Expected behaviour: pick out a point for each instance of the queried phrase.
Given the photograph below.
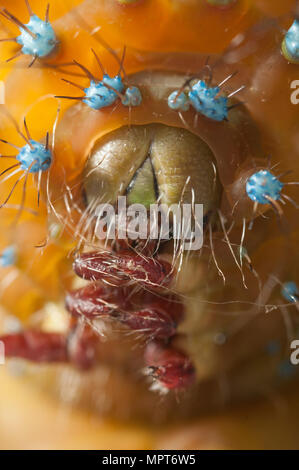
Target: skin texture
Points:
(266, 125)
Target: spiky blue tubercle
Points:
(35, 157)
(178, 102)
(290, 45)
(262, 185)
(115, 82)
(204, 99)
(8, 257)
(132, 97)
(98, 96)
(290, 291)
(44, 42)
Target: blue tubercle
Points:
(35, 157)
(115, 82)
(290, 291)
(204, 99)
(98, 95)
(132, 97)
(290, 45)
(178, 102)
(44, 42)
(263, 185)
(8, 257)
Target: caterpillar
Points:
(172, 102)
